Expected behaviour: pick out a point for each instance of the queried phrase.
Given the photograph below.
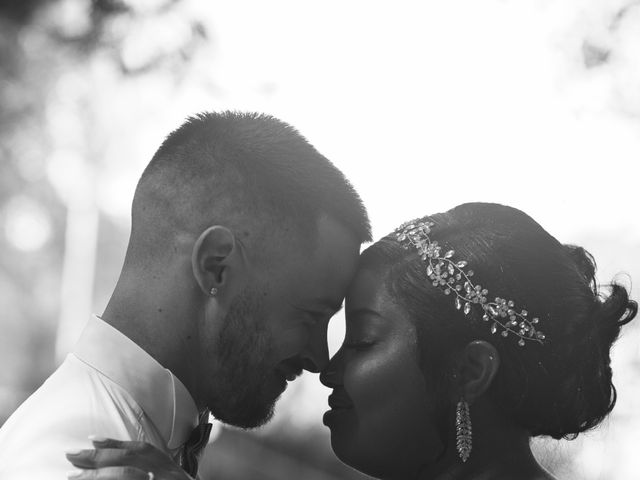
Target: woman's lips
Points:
(333, 417)
(339, 401)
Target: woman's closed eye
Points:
(358, 344)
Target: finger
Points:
(104, 442)
(112, 473)
(107, 457)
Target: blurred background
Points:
(423, 105)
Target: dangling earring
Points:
(463, 430)
(213, 291)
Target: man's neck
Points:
(151, 320)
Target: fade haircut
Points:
(250, 172)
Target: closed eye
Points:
(358, 345)
(315, 316)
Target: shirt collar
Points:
(160, 394)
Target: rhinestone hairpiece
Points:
(450, 276)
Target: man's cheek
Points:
(291, 342)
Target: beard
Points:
(241, 397)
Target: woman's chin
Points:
(345, 448)
(359, 462)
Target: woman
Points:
(468, 333)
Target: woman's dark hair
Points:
(560, 388)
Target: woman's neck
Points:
(500, 451)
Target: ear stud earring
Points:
(213, 291)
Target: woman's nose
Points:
(331, 375)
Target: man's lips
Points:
(288, 371)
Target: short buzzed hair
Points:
(248, 171)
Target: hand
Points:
(119, 460)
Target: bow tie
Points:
(193, 447)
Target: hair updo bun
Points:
(560, 388)
(586, 393)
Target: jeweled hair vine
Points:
(454, 278)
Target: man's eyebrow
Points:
(357, 312)
(326, 305)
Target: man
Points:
(243, 241)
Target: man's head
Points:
(251, 236)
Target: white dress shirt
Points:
(109, 387)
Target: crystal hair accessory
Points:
(451, 277)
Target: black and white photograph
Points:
(285, 240)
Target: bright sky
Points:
(428, 107)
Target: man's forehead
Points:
(319, 277)
(320, 284)
(334, 265)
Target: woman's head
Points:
(559, 387)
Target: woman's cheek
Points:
(371, 374)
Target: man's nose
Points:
(316, 356)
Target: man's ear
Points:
(217, 260)
(475, 369)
